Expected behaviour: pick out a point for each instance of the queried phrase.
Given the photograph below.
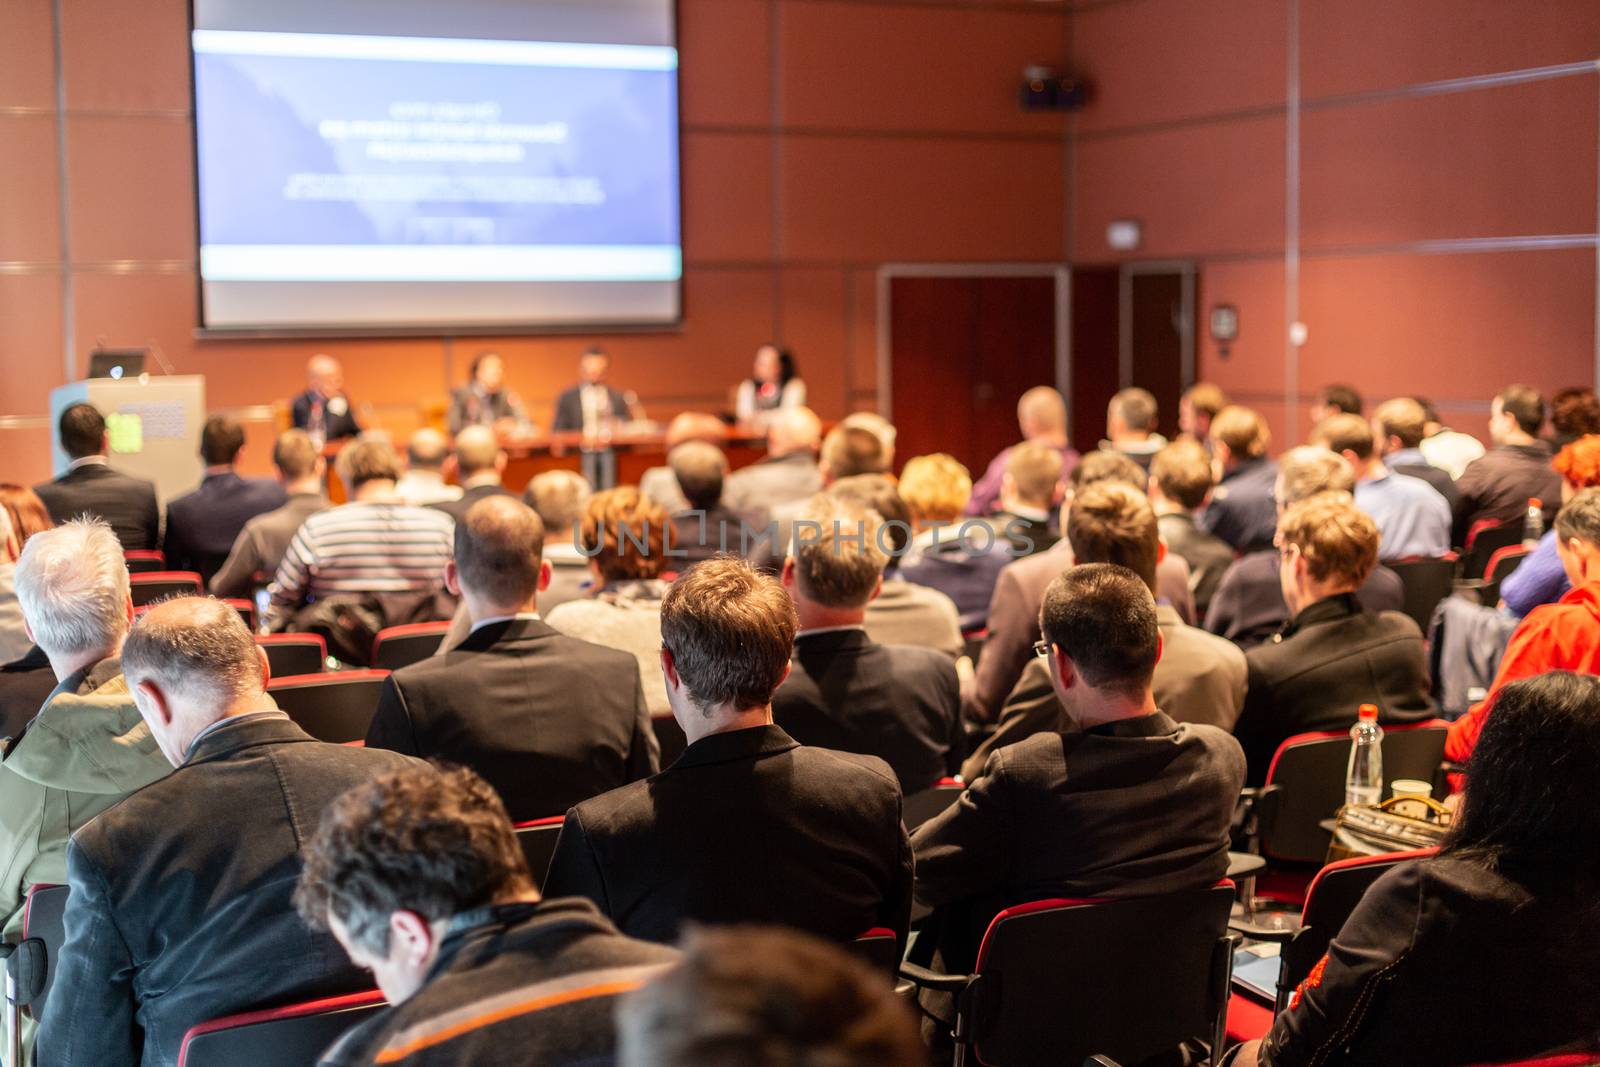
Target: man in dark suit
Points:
(91, 487)
(480, 463)
(591, 404)
(1127, 803)
(261, 545)
(180, 905)
(323, 410)
(1030, 489)
(485, 401)
(547, 719)
(1499, 484)
(788, 473)
(1180, 481)
(708, 527)
(1241, 509)
(1334, 656)
(845, 691)
(203, 525)
(747, 826)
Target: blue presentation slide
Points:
(335, 157)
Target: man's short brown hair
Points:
(1109, 522)
(1242, 430)
(1345, 433)
(1402, 418)
(851, 450)
(1183, 472)
(499, 543)
(879, 492)
(1035, 469)
(1337, 540)
(294, 455)
(1307, 470)
(625, 533)
(1104, 617)
(1525, 404)
(730, 630)
(221, 438)
(1206, 398)
(1136, 407)
(367, 459)
(1108, 466)
(839, 552)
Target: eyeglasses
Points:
(1041, 648)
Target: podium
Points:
(154, 424)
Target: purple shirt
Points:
(1539, 578)
(986, 490)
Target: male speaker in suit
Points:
(323, 410)
(91, 487)
(590, 404)
(845, 691)
(480, 463)
(202, 525)
(748, 826)
(180, 906)
(546, 719)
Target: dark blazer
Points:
(963, 570)
(1024, 537)
(1207, 555)
(1498, 484)
(127, 503)
(902, 704)
(1248, 606)
(261, 545)
(180, 904)
(24, 685)
(746, 827)
(771, 482)
(202, 525)
(470, 408)
(457, 509)
(546, 719)
(1242, 510)
(335, 427)
(1134, 807)
(699, 535)
(1332, 658)
(568, 416)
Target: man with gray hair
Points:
(180, 907)
(789, 470)
(1248, 606)
(845, 691)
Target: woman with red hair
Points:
(1540, 579)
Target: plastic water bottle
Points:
(1363, 779)
(1533, 525)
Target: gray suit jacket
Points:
(260, 546)
(772, 481)
(907, 614)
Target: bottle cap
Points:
(1368, 713)
(1535, 502)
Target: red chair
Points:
(1059, 981)
(330, 707)
(246, 609)
(1500, 567)
(918, 808)
(1484, 538)
(44, 916)
(294, 654)
(879, 949)
(145, 560)
(401, 646)
(148, 587)
(538, 840)
(290, 1036)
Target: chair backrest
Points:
(145, 560)
(44, 915)
(246, 609)
(401, 646)
(1484, 539)
(1058, 981)
(1423, 583)
(538, 840)
(294, 654)
(920, 807)
(290, 1036)
(330, 707)
(150, 586)
(879, 949)
(1309, 770)
(1500, 567)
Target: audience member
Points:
(560, 498)
(774, 384)
(658, 483)
(746, 996)
(92, 487)
(747, 825)
(1335, 400)
(903, 613)
(962, 561)
(1131, 425)
(375, 544)
(1198, 405)
(485, 401)
(846, 691)
(203, 525)
(707, 527)
(788, 472)
(1449, 450)
(479, 463)
(879, 427)
(15, 641)
(1248, 606)
(1128, 803)
(1180, 482)
(626, 539)
(85, 748)
(323, 411)
(423, 481)
(547, 719)
(1574, 413)
(1541, 578)
(180, 908)
(1564, 636)
(1241, 509)
(1030, 490)
(25, 676)
(1503, 917)
(1398, 427)
(591, 405)
(419, 877)
(26, 511)
(847, 452)
(1042, 417)
(262, 543)
(1334, 655)
(1413, 520)
(1517, 469)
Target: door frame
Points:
(1061, 272)
(1185, 268)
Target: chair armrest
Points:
(1262, 933)
(1100, 1061)
(930, 979)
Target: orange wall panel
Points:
(27, 75)
(724, 61)
(815, 328)
(1253, 367)
(30, 343)
(30, 207)
(727, 197)
(131, 181)
(125, 55)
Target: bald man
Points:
(423, 482)
(323, 410)
(479, 464)
(1042, 417)
(789, 471)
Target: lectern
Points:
(154, 423)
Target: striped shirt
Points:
(372, 547)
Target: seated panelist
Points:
(485, 400)
(324, 410)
